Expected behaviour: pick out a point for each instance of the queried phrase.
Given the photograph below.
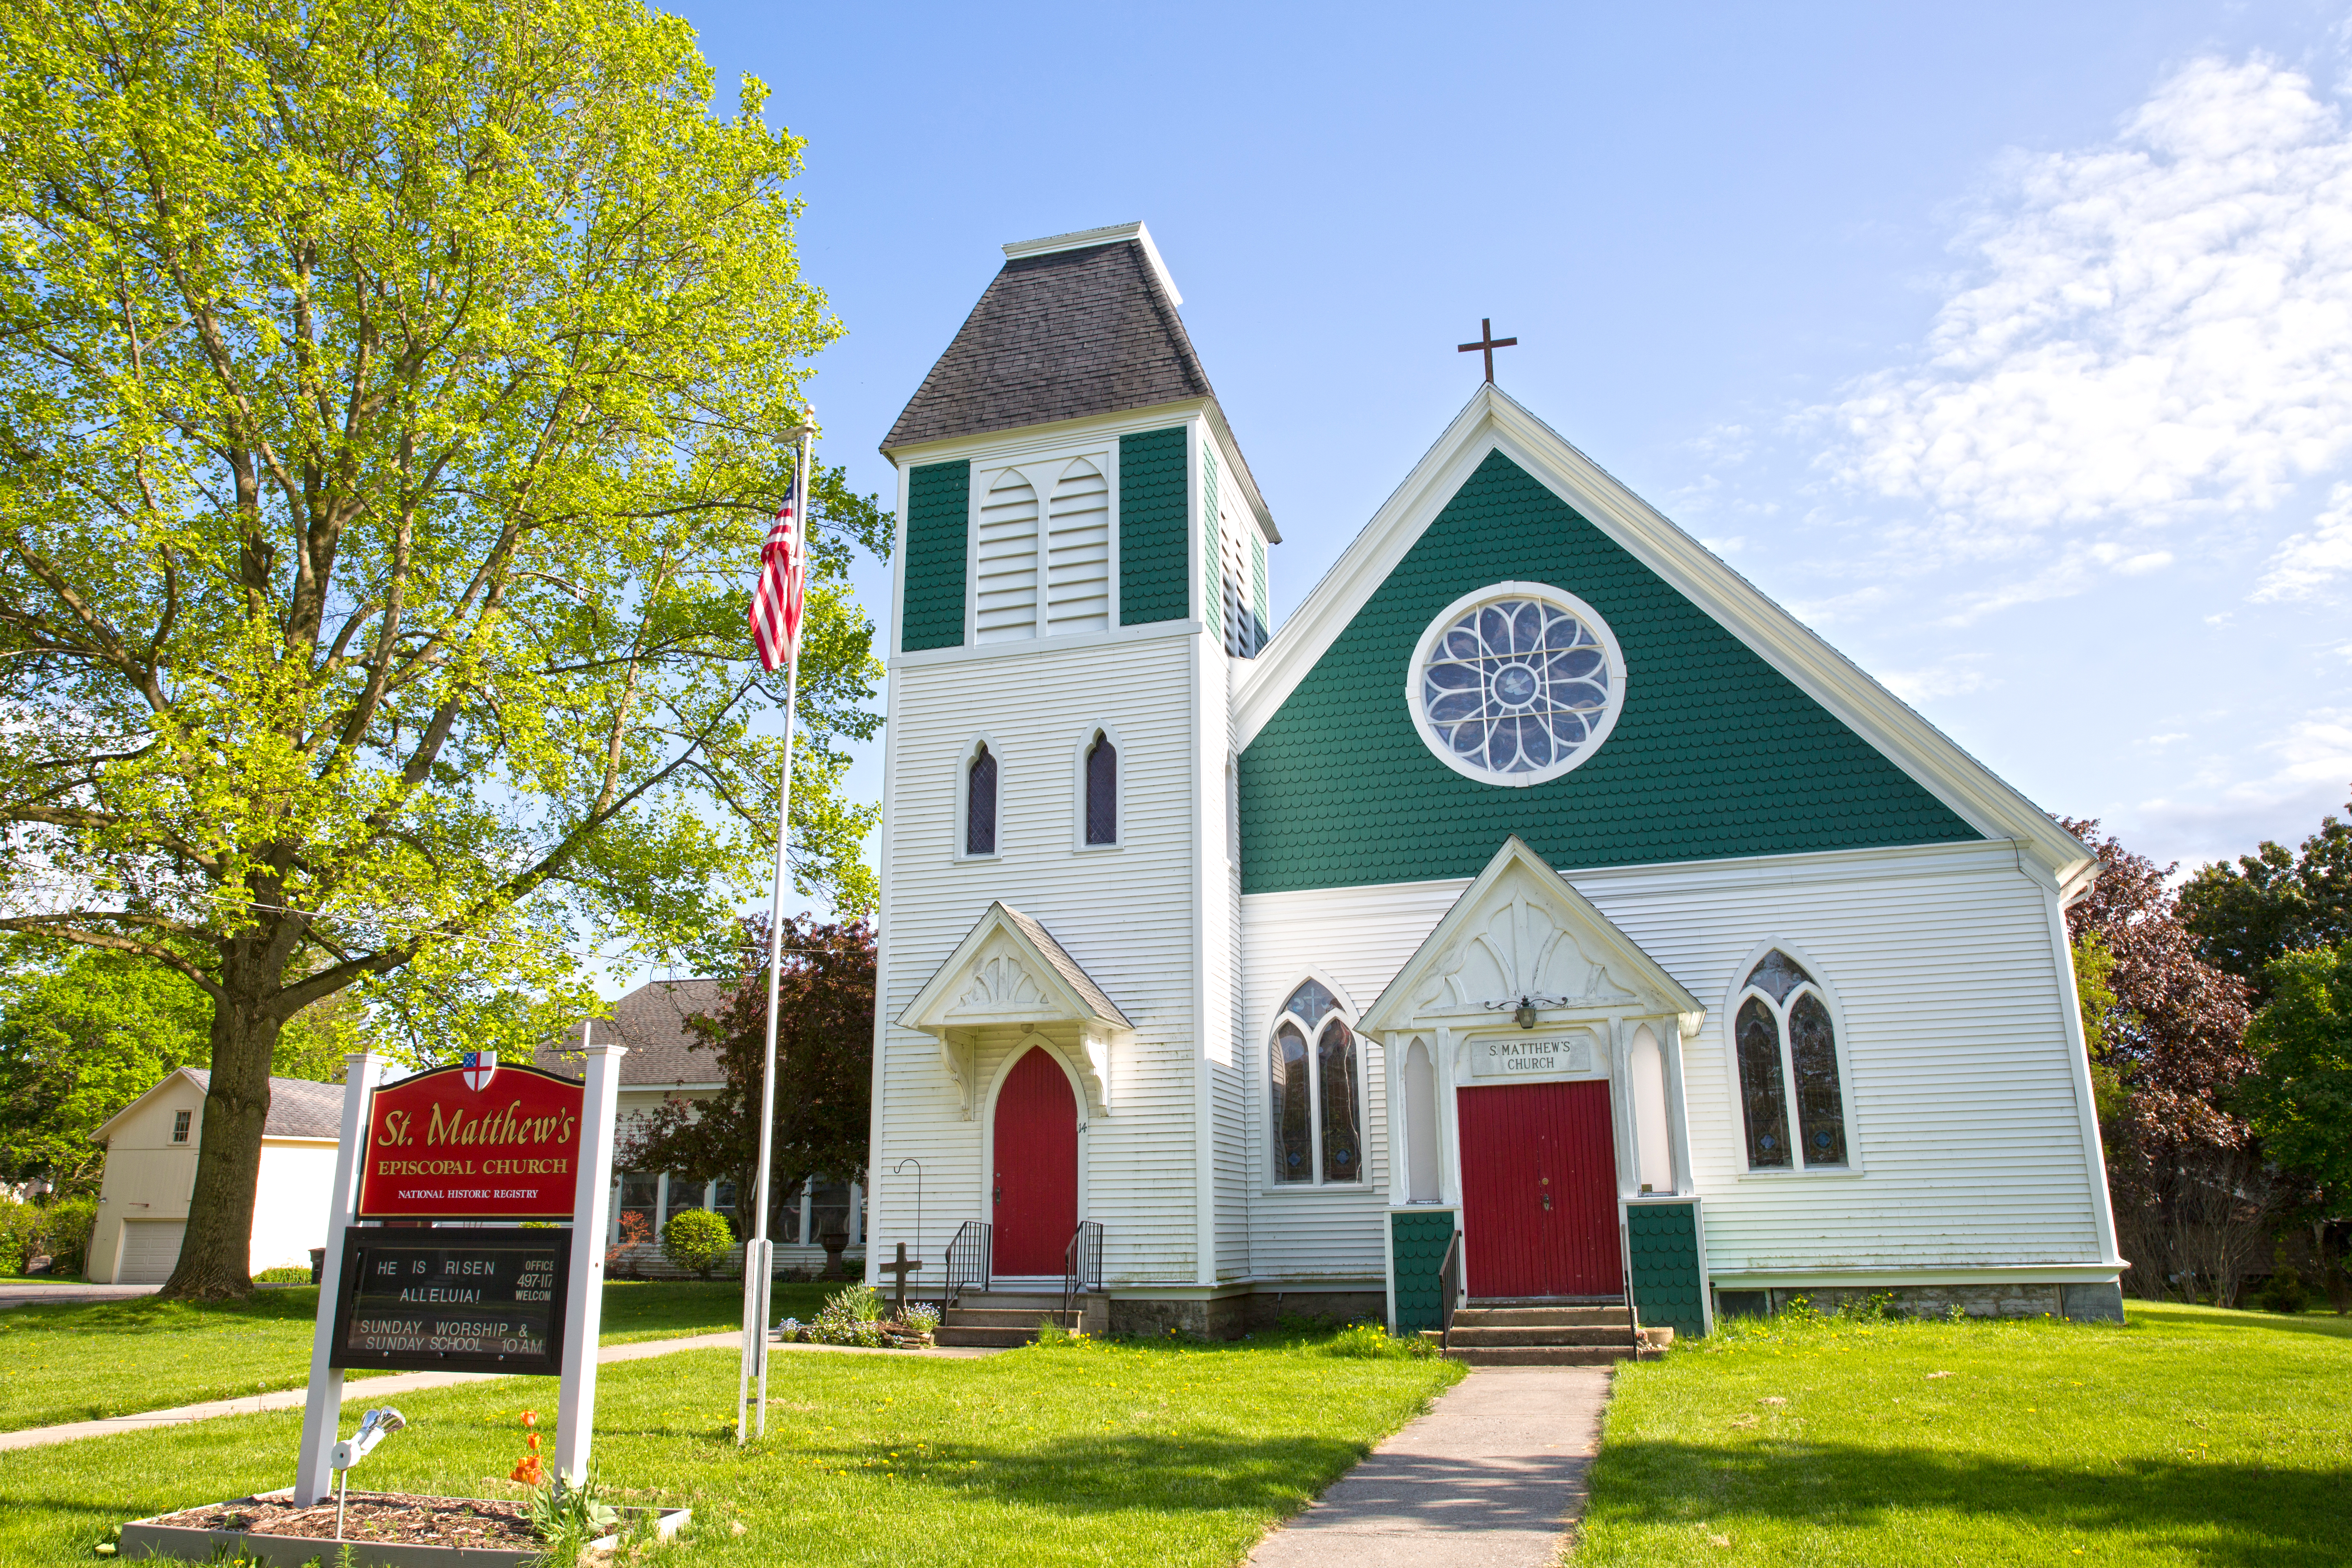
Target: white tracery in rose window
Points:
(1518, 687)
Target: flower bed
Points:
(384, 1530)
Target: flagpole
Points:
(758, 1253)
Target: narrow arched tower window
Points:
(1102, 791)
(980, 804)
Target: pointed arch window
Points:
(980, 802)
(1786, 1044)
(1317, 1073)
(1102, 790)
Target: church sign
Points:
(473, 1141)
(1524, 1057)
(480, 1300)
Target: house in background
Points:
(668, 1058)
(150, 1169)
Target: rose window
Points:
(1516, 687)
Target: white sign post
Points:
(322, 1412)
(575, 1418)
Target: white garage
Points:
(150, 1169)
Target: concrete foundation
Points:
(2101, 1301)
(1230, 1317)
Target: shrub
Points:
(20, 1228)
(66, 1225)
(836, 1327)
(697, 1239)
(856, 1302)
(922, 1318)
(286, 1274)
(2285, 1291)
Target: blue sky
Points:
(2009, 346)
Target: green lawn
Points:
(2190, 1435)
(1042, 1457)
(68, 1363)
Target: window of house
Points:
(1102, 790)
(828, 1211)
(1318, 1093)
(685, 1195)
(980, 802)
(1791, 1101)
(639, 1193)
(179, 1123)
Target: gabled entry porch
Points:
(1539, 1144)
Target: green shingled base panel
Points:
(1716, 753)
(1669, 1276)
(938, 506)
(1418, 1242)
(1154, 581)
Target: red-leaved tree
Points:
(2193, 1198)
(824, 1062)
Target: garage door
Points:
(150, 1247)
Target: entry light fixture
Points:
(1523, 1009)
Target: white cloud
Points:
(2221, 815)
(2309, 561)
(1951, 677)
(2158, 329)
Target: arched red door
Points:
(1034, 1194)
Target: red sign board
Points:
(473, 1142)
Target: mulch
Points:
(402, 1517)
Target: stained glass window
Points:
(1820, 1109)
(1319, 1128)
(1343, 1143)
(1763, 1096)
(980, 804)
(1518, 687)
(1294, 1107)
(1787, 1046)
(1102, 791)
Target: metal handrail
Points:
(1625, 1262)
(971, 1257)
(1449, 1286)
(1081, 1264)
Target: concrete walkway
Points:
(65, 1294)
(1489, 1478)
(373, 1390)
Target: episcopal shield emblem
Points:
(478, 1065)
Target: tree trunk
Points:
(215, 1257)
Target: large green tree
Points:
(392, 394)
(2273, 903)
(2299, 1097)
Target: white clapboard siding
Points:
(1126, 915)
(1004, 572)
(1078, 552)
(1960, 1077)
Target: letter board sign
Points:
(473, 1141)
(479, 1299)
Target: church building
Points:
(1539, 914)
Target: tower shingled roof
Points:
(1066, 335)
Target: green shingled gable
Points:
(938, 506)
(1154, 581)
(1716, 753)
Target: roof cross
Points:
(1488, 343)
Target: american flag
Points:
(776, 602)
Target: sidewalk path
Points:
(1489, 1479)
(372, 1389)
(69, 1295)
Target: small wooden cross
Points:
(902, 1267)
(1488, 343)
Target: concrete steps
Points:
(1548, 1334)
(999, 1319)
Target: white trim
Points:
(1078, 844)
(1558, 598)
(2070, 1006)
(1737, 993)
(1491, 421)
(104, 1131)
(961, 839)
(1087, 238)
(1013, 645)
(2020, 1273)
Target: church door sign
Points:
(1540, 1191)
(1033, 1199)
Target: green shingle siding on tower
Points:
(1669, 1283)
(1716, 753)
(1154, 581)
(938, 524)
(1212, 599)
(1417, 1243)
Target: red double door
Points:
(1033, 1196)
(1538, 1191)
